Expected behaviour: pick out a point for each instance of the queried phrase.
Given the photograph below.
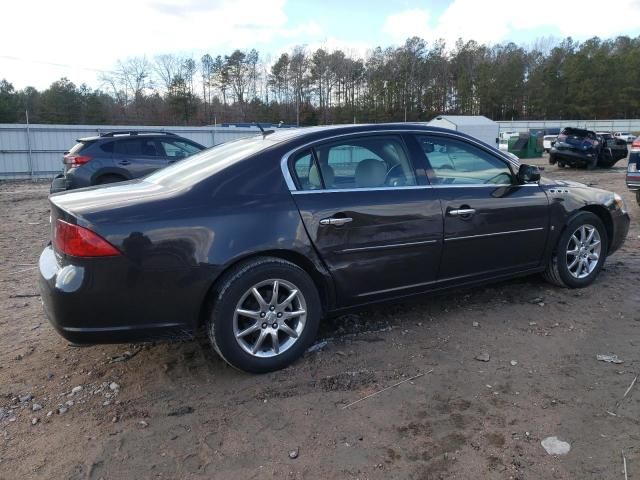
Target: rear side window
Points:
(365, 162)
(137, 147)
(306, 170)
(107, 147)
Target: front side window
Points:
(365, 162)
(459, 163)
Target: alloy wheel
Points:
(583, 251)
(269, 318)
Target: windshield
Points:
(208, 162)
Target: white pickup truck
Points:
(626, 136)
(548, 141)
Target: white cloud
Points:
(492, 21)
(409, 23)
(85, 36)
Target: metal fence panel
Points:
(35, 151)
(632, 125)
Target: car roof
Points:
(289, 134)
(127, 135)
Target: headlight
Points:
(619, 202)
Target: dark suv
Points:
(117, 156)
(580, 147)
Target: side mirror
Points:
(528, 174)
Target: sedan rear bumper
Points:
(83, 306)
(570, 156)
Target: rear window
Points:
(578, 133)
(208, 162)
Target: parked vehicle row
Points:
(633, 169)
(578, 147)
(258, 239)
(118, 156)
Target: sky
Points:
(43, 40)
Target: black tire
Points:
(638, 197)
(606, 163)
(557, 271)
(109, 178)
(233, 287)
(552, 159)
(560, 164)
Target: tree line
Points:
(594, 79)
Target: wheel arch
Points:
(603, 214)
(110, 171)
(318, 275)
(600, 211)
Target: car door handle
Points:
(124, 162)
(337, 221)
(461, 212)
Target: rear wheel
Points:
(265, 315)
(638, 197)
(606, 163)
(105, 179)
(580, 253)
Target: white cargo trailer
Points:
(477, 126)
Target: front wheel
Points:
(265, 315)
(580, 252)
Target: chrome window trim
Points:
(284, 161)
(387, 246)
(371, 189)
(494, 234)
(410, 187)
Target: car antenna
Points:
(264, 132)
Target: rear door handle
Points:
(461, 212)
(337, 221)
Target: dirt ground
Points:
(176, 411)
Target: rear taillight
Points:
(78, 241)
(635, 146)
(75, 160)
